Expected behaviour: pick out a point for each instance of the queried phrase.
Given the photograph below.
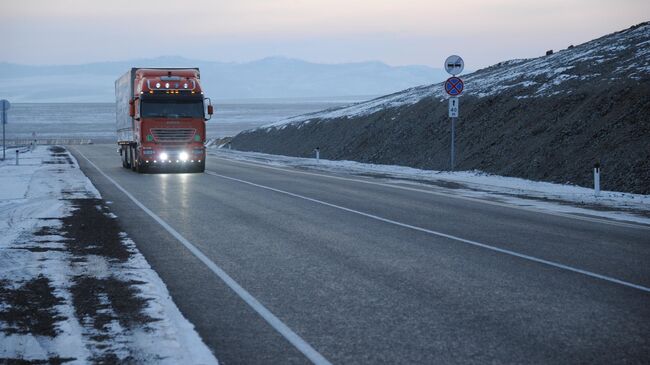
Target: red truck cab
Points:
(161, 115)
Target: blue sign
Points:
(454, 86)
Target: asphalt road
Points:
(320, 268)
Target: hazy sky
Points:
(396, 32)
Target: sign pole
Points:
(454, 86)
(453, 141)
(4, 121)
(5, 106)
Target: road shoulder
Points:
(73, 285)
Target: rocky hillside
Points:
(549, 118)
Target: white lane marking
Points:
(440, 234)
(258, 307)
(528, 209)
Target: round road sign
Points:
(4, 104)
(454, 65)
(454, 86)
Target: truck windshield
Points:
(172, 108)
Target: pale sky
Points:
(329, 31)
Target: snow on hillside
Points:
(621, 55)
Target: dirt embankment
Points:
(553, 138)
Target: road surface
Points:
(283, 266)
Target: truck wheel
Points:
(141, 167)
(200, 167)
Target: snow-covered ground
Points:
(527, 194)
(64, 300)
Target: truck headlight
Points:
(164, 156)
(183, 156)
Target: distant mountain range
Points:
(273, 77)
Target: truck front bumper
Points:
(172, 156)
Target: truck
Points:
(160, 119)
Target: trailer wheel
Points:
(127, 157)
(132, 157)
(124, 157)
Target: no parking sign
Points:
(454, 86)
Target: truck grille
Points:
(173, 134)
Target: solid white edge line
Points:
(444, 235)
(558, 214)
(300, 344)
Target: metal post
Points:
(597, 179)
(453, 137)
(17, 152)
(4, 142)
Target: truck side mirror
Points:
(132, 107)
(210, 108)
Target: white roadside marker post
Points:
(597, 179)
(17, 152)
(317, 150)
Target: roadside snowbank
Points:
(62, 298)
(559, 198)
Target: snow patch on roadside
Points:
(36, 197)
(560, 198)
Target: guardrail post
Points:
(597, 179)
